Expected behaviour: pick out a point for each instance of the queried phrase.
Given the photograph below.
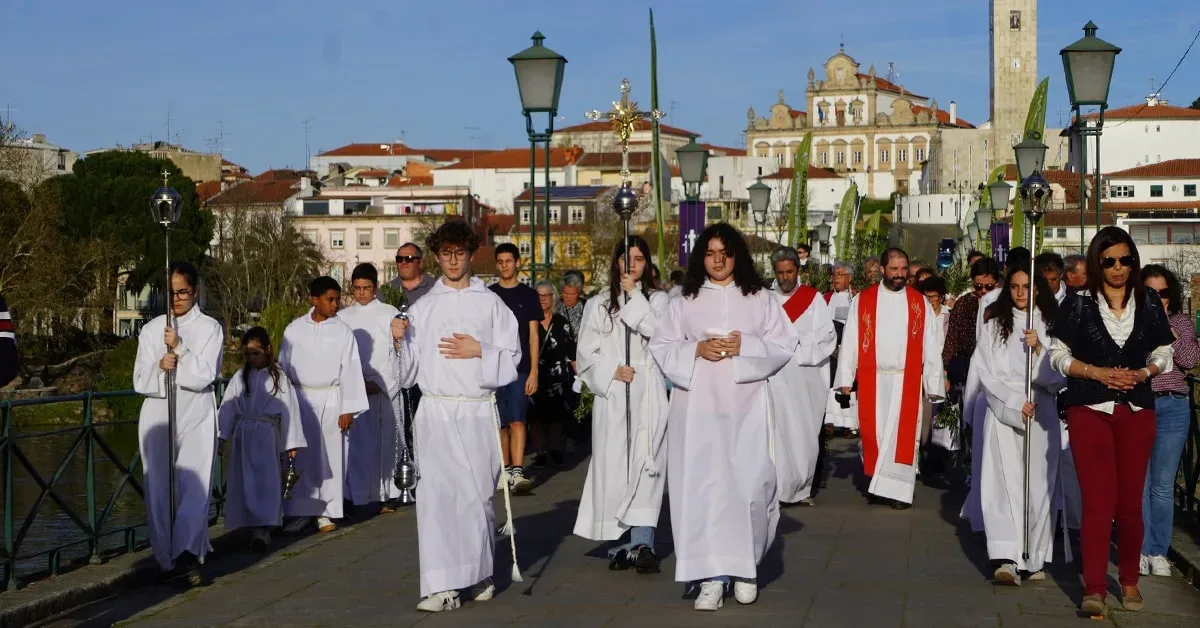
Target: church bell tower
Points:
(1014, 73)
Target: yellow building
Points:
(578, 223)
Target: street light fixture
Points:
(165, 206)
(973, 231)
(999, 192)
(760, 197)
(693, 162)
(539, 73)
(983, 217)
(1031, 157)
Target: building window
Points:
(1062, 233)
(1048, 232)
(1121, 191)
(883, 156)
(391, 238)
(523, 246)
(575, 215)
(920, 154)
(310, 235)
(525, 215)
(555, 214)
(1189, 189)
(779, 159)
(1156, 191)
(572, 248)
(841, 157)
(337, 239)
(901, 155)
(824, 159)
(856, 157)
(364, 238)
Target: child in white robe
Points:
(259, 413)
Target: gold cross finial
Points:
(625, 117)
(165, 175)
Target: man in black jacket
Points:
(8, 346)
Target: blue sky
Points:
(94, 74)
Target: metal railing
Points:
(93, 519)
(1187, 480)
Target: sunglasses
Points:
(1125, 260)
(986, 287)
(1165, 293)
(407, 259)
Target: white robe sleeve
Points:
(848, 356)
(933, 373)
(408, 355)
(765, 351)
(148, 379)
(675, 355)
(502, 355)
(643, 315)
(818, 338)
(597, 367)
(291, 433)
(231, 406)
(351, 385)
(1003, 400)
(200, 363)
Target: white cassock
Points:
(721, 480)
(939, 436)
(455, 429)
(835, 414)
(374, 450)
(322, 361)
(618, 493)
(798, 392)
(1001, 366)
(201, 342)
(258, 426)
(890, 477)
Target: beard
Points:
(788, 286)
(895, 284)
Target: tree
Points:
(1195, 104)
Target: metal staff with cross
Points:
(625, 117)
(165, 206)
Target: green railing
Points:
(92, 520)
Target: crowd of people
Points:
(720, 389)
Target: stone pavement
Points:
(841, 563)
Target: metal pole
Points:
(1029, 309)
(171, 418)
(547, 172)
(628, 362)
(1082, 179)
(1099, 131)
(532, 202)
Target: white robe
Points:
(891, 479)
(259, 427)
(835, 414)
(721, 480)
(1001, 366)
(322, 361)
(798, 393)
(200, 347)
(374, 448)
(615, 496)
(455, 430)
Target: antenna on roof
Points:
(893, 75)
(307, 122)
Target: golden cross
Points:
(624, 117)
(165, 175)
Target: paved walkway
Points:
(841, 563)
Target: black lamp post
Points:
(165, 207)
(693, 162)
(760, 200)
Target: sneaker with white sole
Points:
(711, 597)
(1007, 574)
(745, 591)
(325, 525)
(1144, 565)
(519, 484)
(504, 479)
(1037, 576)
(1159, 566)
(438, 602)
(482, 591)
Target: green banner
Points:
(845, 222)
(656, 163)
(798, 204)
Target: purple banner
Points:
(1000, 242)
(691, 223)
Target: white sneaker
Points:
(1159, 566)
(325, 525)
(1007, 574)
(438, 602)
(482, 591)
(1037, 576)
(745, 591)
(520, 484)
(1144, 565)
(711, 597)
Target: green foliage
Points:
(798, 204)
(277, 316)
(957, 278)
(584, 410)
(877, 205)
(393, 296)
(116, 373)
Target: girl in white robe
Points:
(624, 487)
(1000, 360)
(259, 413)
(719, 343)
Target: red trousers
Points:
(1111, 454)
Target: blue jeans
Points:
(1173, 417)
(638, 535)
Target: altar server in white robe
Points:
(320, 356)
(461, 343)
(261, 417)
(196, 343)
(374, 445)
(799, 389)
(840, 294)
(719, 343)
(623, 492)
(1009, 419)
(892, 351)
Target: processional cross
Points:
(625, 117)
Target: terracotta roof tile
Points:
(510, 158)
(887, 86)
(943, 117)
(1147, 112)
(284, 175)
(1164, 169)
(257, 192)
(399, 181)
(207, 189)
(813, 173)
(728, 152)
(381, 150)
(372, 172)
(601, 125)
(612, 161)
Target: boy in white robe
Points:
(320, 356)
(460, 344)
(798, 390)
(196, 343)
(259, 413)
(375, 443)
(719, 343)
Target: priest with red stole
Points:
(890, 348)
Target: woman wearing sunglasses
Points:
(1109, 340)
(1172, 415)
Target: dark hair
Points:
(933, 284)
(260, 335)
(1002, 308)
(187, 270)
(745, 275)
(510, 248)
(676, 276)
(365, 270)
(614, 273)
(1071, 261)
(1107, 238)
(323, 284)
(1174, 289)
(974, 253)
(412, 244)
(891, 252)
(804, 247)
(453, 232)
(1049, 261)
(985, 266)
(1015, 255)
(924, 270)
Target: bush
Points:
(116, 373)
(276, 317)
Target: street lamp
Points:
(1031, 157)
(165, 207)
(760, 199)
(973, 232)
(999, 191)
(539, 73)
(1088, 66)
(823, 230)
(693, 162)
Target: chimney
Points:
(39, 138)
(953, 112)
(305, 184)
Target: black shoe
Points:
(539, 461)
(620, 561)
(556, 458)
(876, 500)
(899, 505)
(646, 561)
(188, 572)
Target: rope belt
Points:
(319, 388)
(271, 419)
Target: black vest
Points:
(1081, 328)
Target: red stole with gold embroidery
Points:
(910, 387)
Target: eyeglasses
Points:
(407, 259)
(182, 294)
(1165, 293)
(1126, 261)
(455, 253)
(985, 287)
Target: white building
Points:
(1140, 135)
(1159, 206)
(29, 161)
(496, 177)
(393, 157)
